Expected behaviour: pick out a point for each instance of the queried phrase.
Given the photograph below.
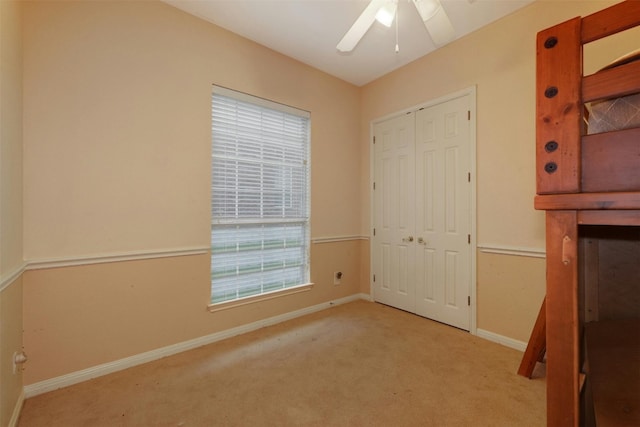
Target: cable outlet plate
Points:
(337, 277)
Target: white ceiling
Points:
(309, 30)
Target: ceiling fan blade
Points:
(436, 21)
(440, 28)
(361, 26)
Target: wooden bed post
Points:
(563, 369)
(558, 108)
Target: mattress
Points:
(618, 113)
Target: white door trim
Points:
(471, 92)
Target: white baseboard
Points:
(138, 359)
(366, 297)
(13, 422)
(501, 339)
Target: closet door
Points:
(393, 244)
(443, 212)
(421, 248)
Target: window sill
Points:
(221, 306)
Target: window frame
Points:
(304, 221)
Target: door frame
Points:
(471, 92)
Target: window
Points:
(259, 196)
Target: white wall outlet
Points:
(337, 276)
(19, 359)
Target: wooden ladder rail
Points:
(537, 346)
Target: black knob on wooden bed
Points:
(551, 42)
(551, 92)
(551, 146)
(550, 167)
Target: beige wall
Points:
(10, 206)
(500, 61)
(117, 158)
(510, 292)
(117, 98)
(10, 138)
(83, 316)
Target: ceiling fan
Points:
(433, 15)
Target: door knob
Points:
(408, 239)
(422, 241)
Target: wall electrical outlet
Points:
(19, 359)
(337, 276)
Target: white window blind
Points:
(260, 196)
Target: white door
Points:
(421, 251)
(394, 244)
(443, 212)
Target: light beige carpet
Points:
(359, 364)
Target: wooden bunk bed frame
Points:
(582, 180)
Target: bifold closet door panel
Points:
(394, 204)
(443, 212)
